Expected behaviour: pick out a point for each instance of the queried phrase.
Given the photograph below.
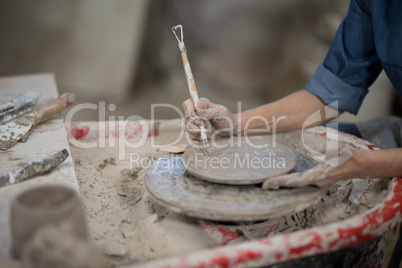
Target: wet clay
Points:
(240, 160)
(129, 226)
(170, 185)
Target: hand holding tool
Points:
(191, 84)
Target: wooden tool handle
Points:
(53, 107)
(190, 81)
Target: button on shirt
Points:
(368, 40)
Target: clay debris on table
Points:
(122, 219)
(130, 227)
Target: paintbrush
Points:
(191, 85)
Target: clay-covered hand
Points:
(338, 160)
(218, 120)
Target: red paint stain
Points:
(271, 227)
(371, 147)
(248, 255)
(79, 132)
(224, 235)
(242, 257)
(316, 240)
(221, 261)
(153, 133)
(227, 235)
(323, 134)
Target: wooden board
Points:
(170, 185)
(46, 139)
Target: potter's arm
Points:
(382, 163)
(354, 164)
(286, 114)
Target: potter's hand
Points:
(339, 159)
(219, 121)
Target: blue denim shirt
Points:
(368, 40)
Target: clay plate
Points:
(240, 160)
(170, 185)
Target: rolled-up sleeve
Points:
(351, 64)
(334, 91)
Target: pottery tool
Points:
(20, 128)
(17, 106)
(34, 169)
(191, 84)
(178, 149)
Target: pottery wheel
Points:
(170, 185)
(240, 160)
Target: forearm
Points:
(372, 164)
(286, 114)
(383, 163)
(360, 164)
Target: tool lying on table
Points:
(191, 85)
(20, 128)
(34, 169)
(18, 106)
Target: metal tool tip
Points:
(205, 147)
(174, 29)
